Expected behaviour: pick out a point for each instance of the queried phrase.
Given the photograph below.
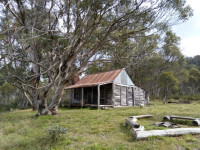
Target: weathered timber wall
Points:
(139, 96)
(123, 96)
(128, 96)
(117, 95)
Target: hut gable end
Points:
(124, 79)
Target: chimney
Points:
(75, 79)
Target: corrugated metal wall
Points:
(124, 79)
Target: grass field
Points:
(93, 129)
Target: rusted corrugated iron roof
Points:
(96, 79)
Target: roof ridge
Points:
(104, 72)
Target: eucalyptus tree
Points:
(54, 40)
(194, 80)
(167, 82)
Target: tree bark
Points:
(42, 105)
(57, 96)
(147, 97)
(35, 105)
(164, 100)
(35, 70)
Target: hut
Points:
(112, 88)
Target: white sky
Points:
(190, 31)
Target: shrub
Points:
(56, 132)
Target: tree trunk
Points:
(165, 96)
(57, 96)
(164, 99)
(35, 104)
(42, 107)
(35, 70)
(147, 97)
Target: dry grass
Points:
(93, 129)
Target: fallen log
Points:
(141, 116)
(195, 121)
(139, 135)
(132, 123)
(135, 126)
(178, 117)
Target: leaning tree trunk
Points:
(57, 96)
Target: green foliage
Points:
(193, 97)
(7, 94)
(193, 62)
(168, 82)
(56, 132)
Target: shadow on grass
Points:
(78, 108)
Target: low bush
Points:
(56, 132)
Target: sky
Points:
(189, 31)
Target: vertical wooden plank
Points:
(127, 96)
(120, 96)
(133, 96)
(82, 97)
(123, 96)
(113, 94)
(92, 97)
(98, 98)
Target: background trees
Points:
(44, 43)
(168, 82)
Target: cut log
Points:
(141, 116)
(196, 122)
(132, 123)
(166, 118)
(178, 117)
(139, 135)
(141, 128)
